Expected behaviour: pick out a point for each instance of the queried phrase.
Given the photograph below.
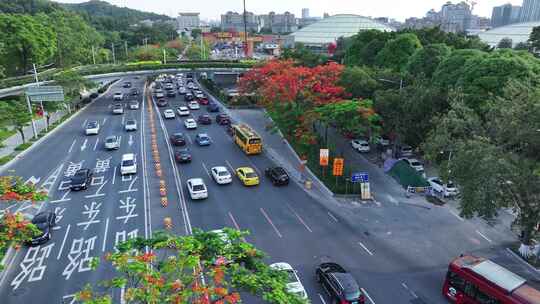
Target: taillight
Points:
(344, 302)
(362, 299)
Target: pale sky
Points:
(212, 9)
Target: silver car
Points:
(112, 142)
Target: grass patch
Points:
(23, 146)
(5, 159)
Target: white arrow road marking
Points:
(104, 121)
(95, 145)
(72, 144)
(130, 141)
(83, 147)
(33, 180)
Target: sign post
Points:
(41, 94)
(337, 168)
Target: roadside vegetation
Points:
(471, 110)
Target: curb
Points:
(6, 262)
(531, 267)
(39, 141)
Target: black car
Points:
(277, 175)
(134, 92)
(127, 84)
(182, 156)
(44, 221)
(204, 119)
(223, 119)
(189, 97)
(178, 139)
(171, 93)
(340, 285)
(162, 103)
(81, 179)
(212, 107)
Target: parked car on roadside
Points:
(447, 190)
(414, 163)
(360, 145)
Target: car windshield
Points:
(199, 187)
(110, 140)
(223, 173)
(352, 295)
(203, 138)
(130, 122)
(251, 175)
(416, 163)
(92, 124)
(40, 218)
(128, 162)
(291, 276)
(450, 185)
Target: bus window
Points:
(456, 281)
(255, 141)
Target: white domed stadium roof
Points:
(329, 29)
(518, 32)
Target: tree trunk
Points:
(48, 118)
(21, 131)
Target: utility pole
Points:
(245, 29)
(113, 56)
(125, 48)
(93, 55)
(164, 57)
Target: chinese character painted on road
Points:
(72, 168)
(79, 256)
(91, 212)
(32, 265)
(129, 207)
(130, 188)
(123, 236)
(59, 216)
(97, 181)
(64, 185)
(102, 165)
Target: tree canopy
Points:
(396, 52)
(425, 61)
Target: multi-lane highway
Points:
(398, 253)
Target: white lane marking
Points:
(105, 235)
(114, 175)
(483, 236)
(84, 123)
(299, 218)
(119, 140)
(83, 147)
(122, 295)
(146, 187)
(456, 215)
(206, 170)
(230, 166)
(409, 290)
(365, 248)
(392, 199)
(72, 144)
(130, 141)
(63, 242)
(332, 217)
(234, 221)
(367, 295)
(322, 299)
(95, 145)
(104, 121)
(189, 139)
(123, 119)
(33, 180)
(270, 221)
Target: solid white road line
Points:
(234, 221)
(146, 186)
(95, 145)
(83, 147)
(104, 121)
(105, 235)
(409, 290)
(72, 144)
(114, 175)
(456, 215)
(365, 248)
(189, 139)
(299, 218)
(63, 242)
(123, 119)
(367, 295)
(322, 299)
(206, 170)
(332, 217)
(483, 236)
(270, 221)
(84, 123)
(231, 167)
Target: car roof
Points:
(111, 137)
(196, 181)
(190, 119)
(246, 169)
(82, 170)
(346, 281)
(41, 217)
(220, 168)
(183, 108)
(202, 135)
(128, 156)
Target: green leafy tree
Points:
(73, 84)
(505, 43)
(364, 47)
(14, 113)
(396, 52)
(172, 271)
(195, 33)
(425, 61)
(355, 117)
(303, 56)
(495, 160)
(434, 35)
(534, 38)
(149, 53)
(30, 7)
(358, 82)
(522, 46)
(450, 70)
(27, 39)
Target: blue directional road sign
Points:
(362, 177)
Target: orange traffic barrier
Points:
(167, 222)
(158, 166)
(164, 202)
(159, 173)
(156, 160)
(162, 192)
(161, 183)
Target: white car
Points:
(112, 143)
(221, 175)
(383, 141)
(92, 128)
(360, 145)
(183, 111)
(190, 123)
(414, 163)
(193, 105)
(294, 285)
(160, 95)
(131, 125)
(169, 114)
(182, 90)
(197, 189)
(134, 105)
(128, 164)
(446, 190)
(118, 96)
(118, 109)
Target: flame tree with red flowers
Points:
(202, 268)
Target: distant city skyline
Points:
(212, 10)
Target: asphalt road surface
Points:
(397, 252)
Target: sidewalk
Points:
(15, 140)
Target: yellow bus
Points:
(247, 139)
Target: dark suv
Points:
(81, 179)
(340, 285)
(277, 175)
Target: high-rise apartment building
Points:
(305, 13)
(233, 21)
(505, 14)
(456, 18)
(278, 23)
(188, 21)
(530, 11)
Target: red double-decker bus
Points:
(474, 280)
